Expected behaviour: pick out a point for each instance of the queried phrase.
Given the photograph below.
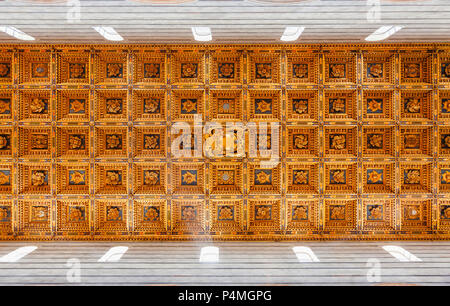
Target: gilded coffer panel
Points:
(225, 142)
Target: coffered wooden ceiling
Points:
(232, 21)
(88, 142)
